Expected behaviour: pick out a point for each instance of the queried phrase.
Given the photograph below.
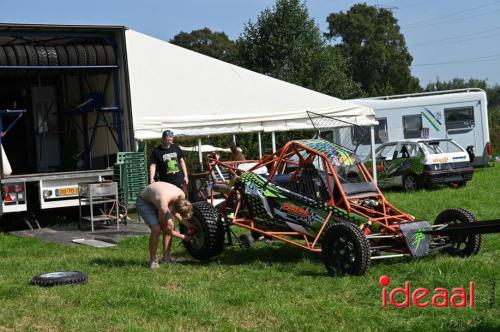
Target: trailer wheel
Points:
(59, 278)
(208, 241)
(345, 250)
(410, 182)
(462, 245)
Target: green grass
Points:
(268, 287)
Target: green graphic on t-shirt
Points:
(172, 166)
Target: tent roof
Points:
(196, 95)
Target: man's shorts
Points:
(148, 212)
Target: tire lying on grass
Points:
(208, 241)
(59, 278)
(462, 245)
(345, 250)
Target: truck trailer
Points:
(65, 111)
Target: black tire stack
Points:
(68, 55)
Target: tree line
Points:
(362, 54)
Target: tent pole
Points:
(372, 145)
(260, 145)
(273, 137)
(200, 155)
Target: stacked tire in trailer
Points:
(67, 55)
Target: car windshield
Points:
(437, 147)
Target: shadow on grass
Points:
(117, 262)
(273, 254)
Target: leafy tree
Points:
(214, 44)
(456, 83)
(376, 50)
(285, 43)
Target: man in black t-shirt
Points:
(168, 160)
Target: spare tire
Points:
(3, 57)
(72, 55)
(11, 55)
(91, 55)
(32, 56)
(208, 241)
(22, 58)
(62, 56)
(52, 55)
(82, 55)
(41, 52)
(110, 55)
(59, 278)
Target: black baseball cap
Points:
(167, 133)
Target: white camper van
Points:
(461, 115)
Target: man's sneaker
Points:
(168, 260)
(154, 265)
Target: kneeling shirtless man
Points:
(158, 204)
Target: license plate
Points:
(67, 192)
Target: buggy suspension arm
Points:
(478, 227)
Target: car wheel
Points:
(410, 183)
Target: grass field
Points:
(268, 287)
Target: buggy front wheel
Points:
(208, 241)
(345, 250)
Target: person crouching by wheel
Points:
(158, 204)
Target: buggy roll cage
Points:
(341, 200)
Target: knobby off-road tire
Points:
(209, 239)
(41, 52)
(345, 250)
(52, 55)
(463, 245)
(59, 278)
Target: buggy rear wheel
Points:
(345, 250)
(461, 245)
(208, 241)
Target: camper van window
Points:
(412, 126)
(462, 117)
(363, 137)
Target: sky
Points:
(447, 38)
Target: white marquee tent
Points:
(192, 94)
